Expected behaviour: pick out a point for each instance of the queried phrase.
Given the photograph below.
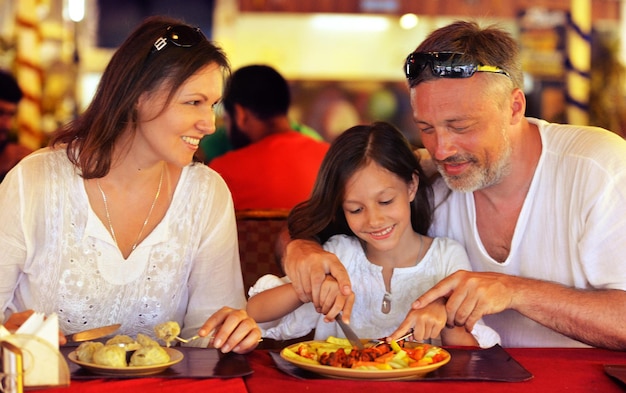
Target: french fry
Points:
(292, 355)
(397, 358)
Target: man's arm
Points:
(595, 317)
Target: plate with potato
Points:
(123, 355)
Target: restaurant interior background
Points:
(342, 58)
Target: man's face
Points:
(465, 130)
(8, 110)
(237, 137)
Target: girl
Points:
(371, 207)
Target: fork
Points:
(379, 342)
(186, 340)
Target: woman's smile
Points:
(191, 141)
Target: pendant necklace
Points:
(106, 210)
(385, 307)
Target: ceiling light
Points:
(350, 22)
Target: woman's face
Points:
(377, 206)
(172, 134)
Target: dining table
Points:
(542, 370)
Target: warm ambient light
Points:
(76, 10)
(350, 22)
(408, 21)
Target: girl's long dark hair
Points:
(322, 216)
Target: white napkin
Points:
(41, 358)
(4, 331)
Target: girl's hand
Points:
(233, 330)
(332, 301)
(426, 322)
(307, 264)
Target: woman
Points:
(114, 223)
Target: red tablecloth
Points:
(554, 370)
(153, 385)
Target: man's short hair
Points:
(259, 88)
(9, 89)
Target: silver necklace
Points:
(106, 210)
(385, 307)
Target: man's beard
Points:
(238, 138)
(477, 176)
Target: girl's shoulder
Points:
(346, 248)
(448, 252)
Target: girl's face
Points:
(173, 133)
(377, 206)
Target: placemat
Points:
(617, 372)
(197, 363)
(492, 364)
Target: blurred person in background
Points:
(218, 143)
(272, 166)
(11, 152)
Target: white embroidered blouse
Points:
(57, 256)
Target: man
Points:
(273, 166)
(11, 152)
(539, 207)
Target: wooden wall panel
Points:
(601, 9)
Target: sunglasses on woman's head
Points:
(180, 35)
(445, 65)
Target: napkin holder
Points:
(33, 359)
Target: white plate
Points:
(351, 373)
(175, 357)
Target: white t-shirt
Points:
(57, 256)
(570, 230)
(444, 257)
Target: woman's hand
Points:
(233, 330)
(17, 319)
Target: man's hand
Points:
(470, 296)
(307, 264)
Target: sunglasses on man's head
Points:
(445, 65)
(180, 35)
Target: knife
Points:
(350, 334)
(92, 334)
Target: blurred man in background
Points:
(272, 165)
(11, 152)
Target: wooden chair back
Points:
(258, 233)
